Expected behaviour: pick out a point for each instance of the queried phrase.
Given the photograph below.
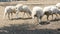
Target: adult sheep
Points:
(47, 11)
(9, 10)
(55, 11)
(23, 8)
(38, 12)
(50, 10)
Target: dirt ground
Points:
(26, 25)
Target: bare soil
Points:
(26, 25)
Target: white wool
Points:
(9, 10)
(38, 11)
(23, 8)
(58, 5)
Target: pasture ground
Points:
(26, 25)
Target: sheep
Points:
(47, 11)
(38, 12)
(55, 11)
(58, 5)
(9, 10)
(50, 10)
(26, 10)
(23, 8)
(18, 9)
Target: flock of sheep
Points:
(36, 11)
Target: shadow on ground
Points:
(55, 20)
(20, 18)
(26, 29)
(44, 22)
(48, 22)
(31, 18)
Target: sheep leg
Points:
(24, 14)
(27, 14)
(17, 14)
(47, 17)
(9, 16)
(32, 16)
(56, 16)
(52, 16)
(4, 15)
(39, 18)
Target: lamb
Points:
(38, 12)
(23, 8)
(9, 10)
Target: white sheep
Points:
(50, 10)
(47, 11)
(55, 11)
(37, 11)
(23, 8)
(9, 10)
